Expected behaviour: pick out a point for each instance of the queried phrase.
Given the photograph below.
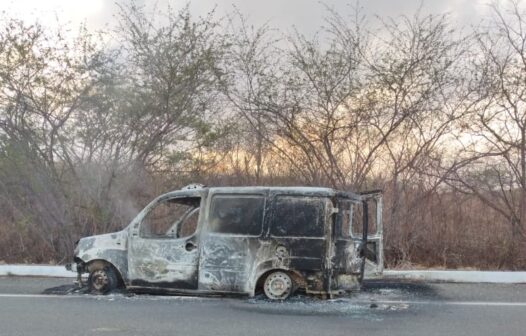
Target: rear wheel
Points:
(278, 286)
(102, 279)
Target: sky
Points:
(305, 15)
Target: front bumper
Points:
(79, 269)
(72, 267)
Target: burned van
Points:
(241, 240)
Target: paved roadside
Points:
(382, 308)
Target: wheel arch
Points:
(296, 276)
(118, 259)
(92, 264)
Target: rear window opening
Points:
(352, 219)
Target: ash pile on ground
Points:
(306, 305)
(72, 289)
(374, 300)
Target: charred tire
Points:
(102, 280)
(278, 286)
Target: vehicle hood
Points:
(92, 247)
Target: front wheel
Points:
(102, 280)
(278, 286)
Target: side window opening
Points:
(298, 216)
(171, 218)
(237, 214)
(188, 224)
(372, 208)
(357, 218)
(346, 216)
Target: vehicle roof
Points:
(302, 190)
(299, 189)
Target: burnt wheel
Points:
(102, 280)
(278, 286)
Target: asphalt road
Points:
(39, 306)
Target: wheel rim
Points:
(99, 280)
(278, 286)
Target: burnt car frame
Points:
(241, 240)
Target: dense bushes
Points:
(432, 114)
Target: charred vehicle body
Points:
(241, 240)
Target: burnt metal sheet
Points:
(320, 257)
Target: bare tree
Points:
(252, 66)
(43, 77)
(172, 71)
(496, 148)
(418, 95)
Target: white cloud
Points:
(48, 11)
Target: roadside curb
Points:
(427, 275)
(36, 270)
(506, 277)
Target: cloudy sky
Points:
(305, 15)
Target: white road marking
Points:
(197, 298)
(452, 303)
(97, 297)
(27, 296)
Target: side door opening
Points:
(367, 217)
(163, 247)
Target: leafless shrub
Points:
(90, 133)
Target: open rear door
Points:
(374, 252)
